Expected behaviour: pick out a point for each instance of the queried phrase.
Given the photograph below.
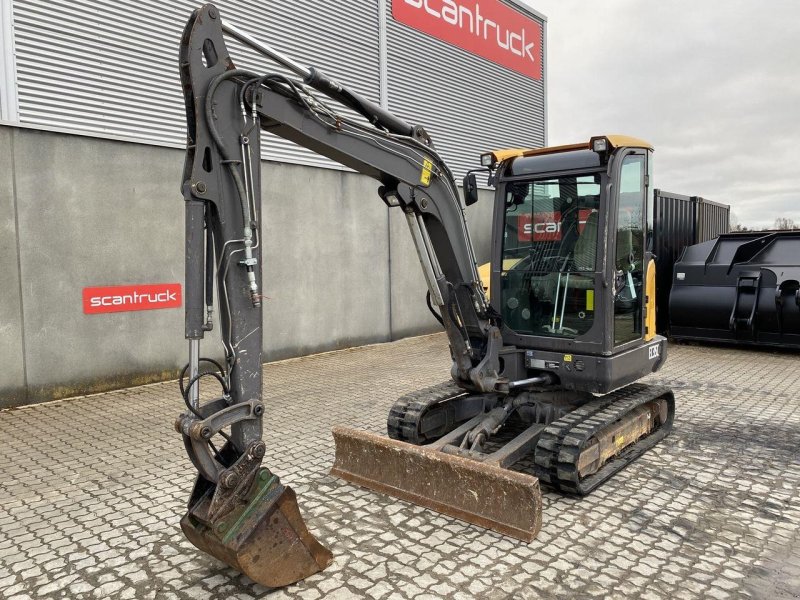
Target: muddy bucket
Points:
(264, 537)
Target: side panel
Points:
(326, 236)
(600, 374)
(326, 252)
(650, 306)
(112, 76)
(94, 213)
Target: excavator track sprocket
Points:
(405, 416)
(587, 446)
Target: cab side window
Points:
(629, 251)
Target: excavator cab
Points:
(569, 261)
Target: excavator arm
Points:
(226, 108)
(238, 508)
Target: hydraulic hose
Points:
(435, 314)
(230, 162)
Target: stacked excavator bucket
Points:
(489, 496)
(748, 285)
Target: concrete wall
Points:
(339, 267)
(12, 370)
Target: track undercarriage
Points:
(578, 440)
(453, 451)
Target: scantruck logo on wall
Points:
(487, 28)
(124, 298)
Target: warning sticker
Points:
(427, 168)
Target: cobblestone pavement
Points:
(92, 488)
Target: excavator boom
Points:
(239, 511)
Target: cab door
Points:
(627, 252)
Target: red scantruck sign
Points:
(487, 28)
(124, 298)
(539, 227)
(546, 226)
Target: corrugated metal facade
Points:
(469, 105)
(109, 67)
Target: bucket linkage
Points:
(239, 512)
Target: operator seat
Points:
(583, 260)
(624, 249)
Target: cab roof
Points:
(615, 140)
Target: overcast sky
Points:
(714, 86)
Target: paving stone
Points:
(712, 512)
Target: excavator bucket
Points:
(486, 495)
(264, 537)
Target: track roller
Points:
(578, 452)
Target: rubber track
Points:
(407, 411)
(563, 440)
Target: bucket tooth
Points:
(265, 537)
(488, 496)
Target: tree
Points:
(784, 223)
(736, 224)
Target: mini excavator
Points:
(546, 372)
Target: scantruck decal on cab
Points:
(124, 298)
(487, 28)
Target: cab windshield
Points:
(550, 255)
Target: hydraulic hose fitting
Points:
(209, 324)
(250, 263)
(255, 297)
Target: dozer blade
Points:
(489, 496)
(265, 537)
